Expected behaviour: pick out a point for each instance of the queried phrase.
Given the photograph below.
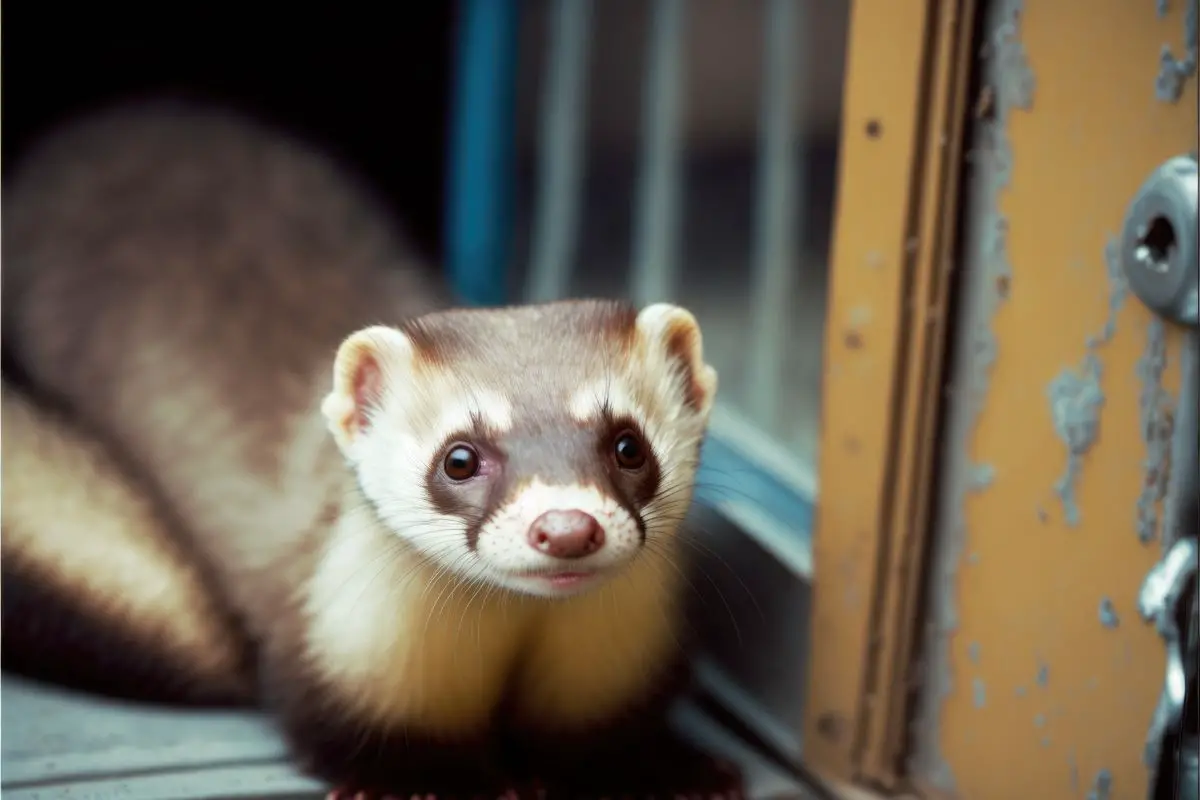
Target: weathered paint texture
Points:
(986, 283)
(1075, 403)
(1108, 613)
(1102, 786)
(979, 692)
(1156, 417)
(1076, 396)
(1173, 72)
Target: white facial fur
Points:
(504, 547)
(416, 406)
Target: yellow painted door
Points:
(1038, 677)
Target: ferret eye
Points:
(462, 463)
(629, 450)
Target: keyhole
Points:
(1156, 245)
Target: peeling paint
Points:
(1076, 397)
(1075, 404)
(979, 692)
(986, 284)
(1155, 411)
(1108, 613)
(1173, 72)
(1101, 786)
(982, 476)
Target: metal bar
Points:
(560, 145)
(778, 212)
(660, 183)
(478, 216)
(1184, 480)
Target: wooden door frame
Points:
(906, 103)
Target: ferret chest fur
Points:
(404, 645)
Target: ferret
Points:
(259, 458)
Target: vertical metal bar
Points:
(478, 217)
(777, 214)
(660, 178)
(1184, 480)
(560, 142)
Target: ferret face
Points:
(539, 448)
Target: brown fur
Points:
(180, 281)
(93, 570)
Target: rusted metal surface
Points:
(1039, 681)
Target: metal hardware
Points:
(1159, 603)
(1160, 255)
(1188, 773)
(1159, 249)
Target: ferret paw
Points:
(654, 776)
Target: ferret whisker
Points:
(383, 476)
(712, 555)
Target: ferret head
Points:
(537, 448)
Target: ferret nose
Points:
(566, 534)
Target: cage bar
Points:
(660, 180)
(560, 151)
(777, 214)
(479, 195)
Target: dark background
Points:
(363, 80)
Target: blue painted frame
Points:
(479, 193)
(727, 476)
(479, 232)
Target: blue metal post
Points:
(480, 183)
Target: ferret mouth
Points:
(562, 579)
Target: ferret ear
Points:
(673, 333)
(367, 362)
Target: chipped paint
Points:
(1042, 678)
(979, 692)
(1021, 691)
(1039, 720)
(1173, 72)
(987, 281)
(982, 476)
(973, 652)
(1155, 411)
(1075, 403)
(1076, 397)
(1108, 613)
(1101, 786)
